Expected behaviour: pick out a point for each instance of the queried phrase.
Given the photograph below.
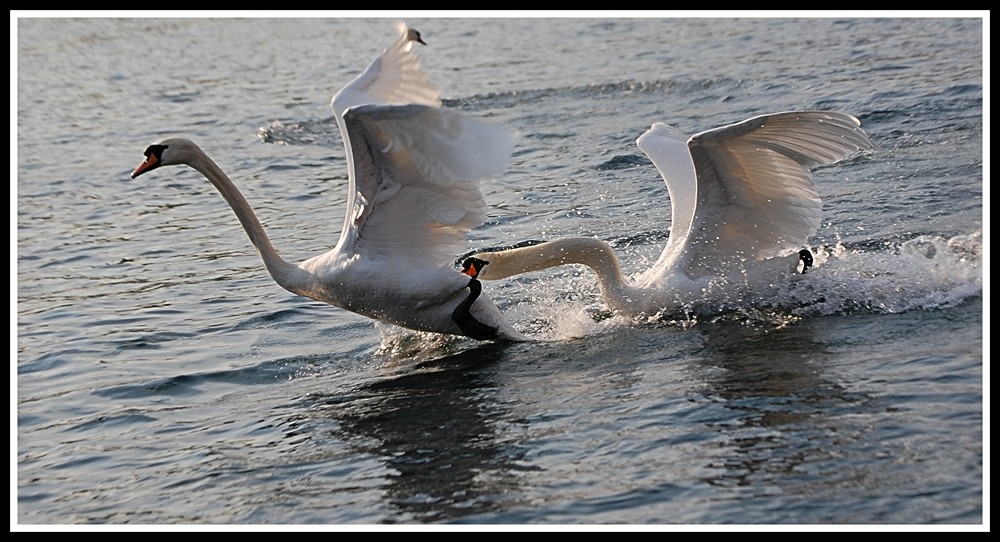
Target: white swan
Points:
(742, 203)
(414, 173)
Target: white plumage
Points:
(414, 173)
(743, 203)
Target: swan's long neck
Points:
(281, 271)
(593, 253)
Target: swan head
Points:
(806, 258)
(411, 34)
(166, 152)
(473, 266)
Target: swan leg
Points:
(806, 258)
(468, 323)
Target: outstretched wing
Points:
(668, 149)
(414, 186)
(755, 194)
(393, 77)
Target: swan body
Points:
(414, 171)
(743, 203)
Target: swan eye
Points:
(154, 159)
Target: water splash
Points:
(928, 272)
(924, 273)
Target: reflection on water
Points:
(163, 378)
(432, 427)
(787, 402)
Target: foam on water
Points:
(928, 272)
(924, 273)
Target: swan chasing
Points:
(414, 171)
(742, 202)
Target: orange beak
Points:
(472, 266)
(149, 163)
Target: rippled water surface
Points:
(162, 378)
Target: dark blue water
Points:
(163, 379)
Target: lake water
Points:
(163, 379)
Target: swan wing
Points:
(414, 186)
(393, 77)
(668, 149)
(755, 193)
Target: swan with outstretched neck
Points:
(743, 204)
(414, 172)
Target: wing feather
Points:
(394, 77)
(755, 192)
(417, 174)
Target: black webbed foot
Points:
(466, 322)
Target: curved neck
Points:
(593, 253)
(276, 266)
